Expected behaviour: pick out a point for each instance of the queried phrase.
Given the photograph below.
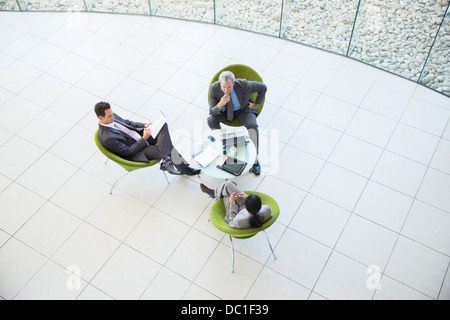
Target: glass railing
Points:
(410, 38)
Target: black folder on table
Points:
(232, 165)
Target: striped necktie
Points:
(127, 131)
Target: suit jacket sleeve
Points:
(214, 99)
(117, 144)
(258, 87)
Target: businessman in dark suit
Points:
(230, 98)
(133, 141)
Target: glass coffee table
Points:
(245, 152)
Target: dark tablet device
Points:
(232, 165)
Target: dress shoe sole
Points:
(173, 172)
(190, 174)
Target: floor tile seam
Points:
(348, 219)
(350, 213)
(298, 206)
(384, 150)
(48, 107)
(423, 130)
(416, 196)
(399, 236)
(47, 260)
(352, 60)
(137, 112)
(219, 243)
(334, 249)
(279, 274)
(413, 95)
(160, 89)
(121, 243)
(294, 83)
(113, 16)
(81, 222)
(399, 121)
(192, 281)
(194, 21)
(16, 180)
(384, 275)
(311, 239)
(303, 117)
(387, 85)
(334, 148)
(442, 289)
(20, 95)
(49, 15)
(19, 58)
(34, 274)
(332, 74)
(365, 187)
(339, 165)
(296, 186)
(49, 148)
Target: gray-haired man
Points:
(229, 98)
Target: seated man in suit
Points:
(229, 98)
(242, 211)
(133, 141)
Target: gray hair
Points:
(226, 77)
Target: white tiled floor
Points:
(357, 158)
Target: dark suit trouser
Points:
(248, 120)
(164, 147)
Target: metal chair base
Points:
(232, 250)
(124, 174)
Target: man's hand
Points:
(147, 133)
(253, 106)
(223, 101)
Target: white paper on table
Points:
(157, 123)
(205, 157)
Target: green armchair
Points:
(243, 72)
(217, 218)
(126, 164)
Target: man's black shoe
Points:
(190, 171)
(208, 191)
(168, 166)
(256, 169)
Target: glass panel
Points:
(397, 35)
(436, 74)
(9, 5)
(325, 24)
(254, 15)
(121, 6)
(200, 10)
(61, 5)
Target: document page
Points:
(205, 157)
(158, 123)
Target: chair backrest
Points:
(243, 72)
(126, 164)
(217, 217)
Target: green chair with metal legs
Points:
(126, 164)
(217, 217)
(240, 71)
